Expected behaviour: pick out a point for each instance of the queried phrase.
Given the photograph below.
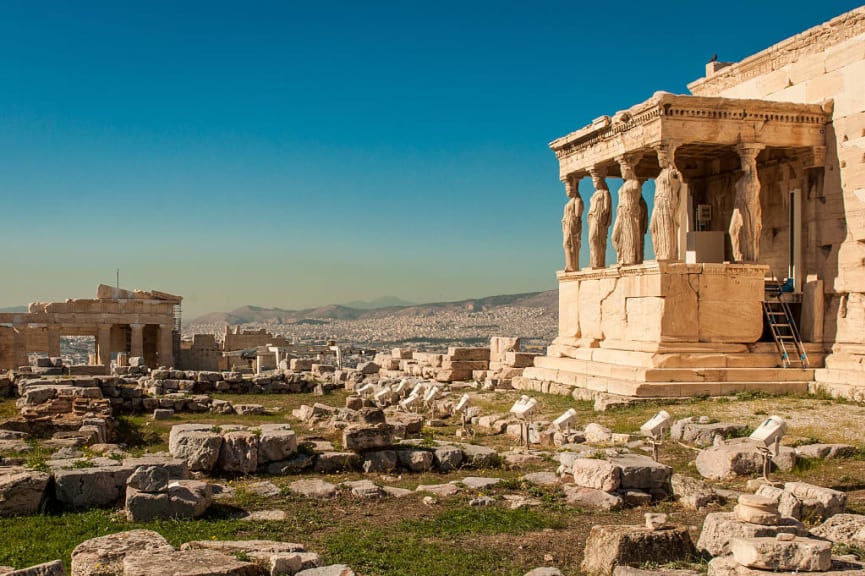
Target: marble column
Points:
(746, 224)
(53, 334)
(103, 344)
(165, 346)
(136, 340)
(572, 225)
(21, 352)
(665, 214)
(599, 218)
(629, 214)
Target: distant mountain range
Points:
(13, 309)
(379, 308)
(383, 302)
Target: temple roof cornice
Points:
(680, 119)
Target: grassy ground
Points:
(406, 536)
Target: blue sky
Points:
(297, 154)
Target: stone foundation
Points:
(664, 330)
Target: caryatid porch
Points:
(730, 176)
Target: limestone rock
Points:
(416, 460)
(84, 488)
(332, 570)
(544, 571)
(103, 556)
(276, 442)
(846, 529)
(781, 554)
(447, 458)
(379, 461)
(196, 444)
(439, 489)
(239, 452)
(757, 509)
(367, 437)
(727, 566)
(297, 463)
(479, 456)
(149, 479)
(186, 563)
(364, 489)
(248, 409)
(264, 489)
(146, 506)
(21, 490)
(822, 451)
(818, 503)
(597, 434)
(642, 472)
(611, 546)
(692, 493)
(541, 478)
(478, 483)
(788, 504)
(704, 434)
(597, 474)
(176, 467)
(720, 527)
(248, 546)
(629, 571)
(330, 462)
(739, 459)
(313, 488)
(189, 498)
(54, 568)
(592, 499)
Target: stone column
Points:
(165, 347)
(599, 218)
(746, 224)
(53, 335)
(103, 345)
(21, 351)
(629, 214)
(572, 225)
(665, 214)
(136, 340)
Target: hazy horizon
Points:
(301, 154)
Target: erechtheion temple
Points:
(142, 324)
(759, 182)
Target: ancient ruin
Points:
(136, 323)
(757, 181)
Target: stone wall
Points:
(825, 62)
(658, 302)
(203, 353)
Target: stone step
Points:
(762, 355)
(664, 389)
(669, 375)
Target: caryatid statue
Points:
(665, 221)
(572, 225)
(599, 217)
(628, 226)
(746, 225)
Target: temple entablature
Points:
(699, 127)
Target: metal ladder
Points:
(783, 328)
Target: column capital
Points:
(629, 161)
(666, 151)
(598, 172)
(749, 150)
